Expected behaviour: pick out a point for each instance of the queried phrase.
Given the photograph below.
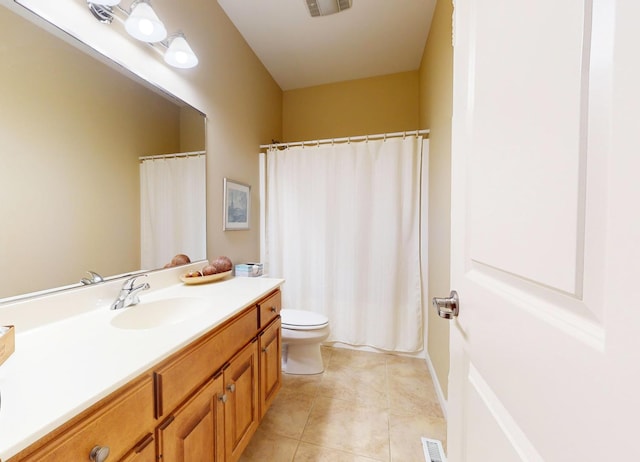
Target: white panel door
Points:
(545, 353)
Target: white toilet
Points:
(302, 334)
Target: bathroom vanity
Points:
(89, 386)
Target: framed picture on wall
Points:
(237, 205)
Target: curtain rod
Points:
(171, 156)
(347, 139)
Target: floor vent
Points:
(433, 451)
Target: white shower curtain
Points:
(342, 228)
(173, 209)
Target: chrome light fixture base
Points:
(102, 13)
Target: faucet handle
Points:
(93, 279)
(128, 284)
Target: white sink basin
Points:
(158, 313)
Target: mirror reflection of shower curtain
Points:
(172, 209)
(343, 229)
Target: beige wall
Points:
(71, 132)
(244, 110)
(192, 130)
(359, 107)
(436, 83)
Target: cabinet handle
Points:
(99, 453)
(231, 387)
(138, 448)
(223, 398)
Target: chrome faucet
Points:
(129, 293)
(93, 278)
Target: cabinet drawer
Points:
(183, 373)
(269, 308)
(119, 422)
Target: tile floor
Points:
(365, 407)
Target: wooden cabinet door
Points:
(270, 365)
(241, 407)
(195, 431)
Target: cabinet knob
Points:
(265, 350)
(223, 398)
(273, 309)
(231, 387)
(99, 453)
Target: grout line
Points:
(295, 453)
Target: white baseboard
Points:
(436, 383)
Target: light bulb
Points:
(179, 54)
(143, 24)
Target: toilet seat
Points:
(303, 320)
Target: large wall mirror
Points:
(72, 130)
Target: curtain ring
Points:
(367, 139)
(384, 138)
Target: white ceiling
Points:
(373, 37)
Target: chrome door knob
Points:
(447, 308)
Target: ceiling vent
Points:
(326, 7)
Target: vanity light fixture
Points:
(179, 53)
(142, 23)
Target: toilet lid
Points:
(303, 320)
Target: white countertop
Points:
(64, 366)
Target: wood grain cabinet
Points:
(203, 403)
(144, 451)
(270, 349)
(115, 425)
(196, 430)
(217, 422)
(269, 308)
(181, 374)
(241, 407)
